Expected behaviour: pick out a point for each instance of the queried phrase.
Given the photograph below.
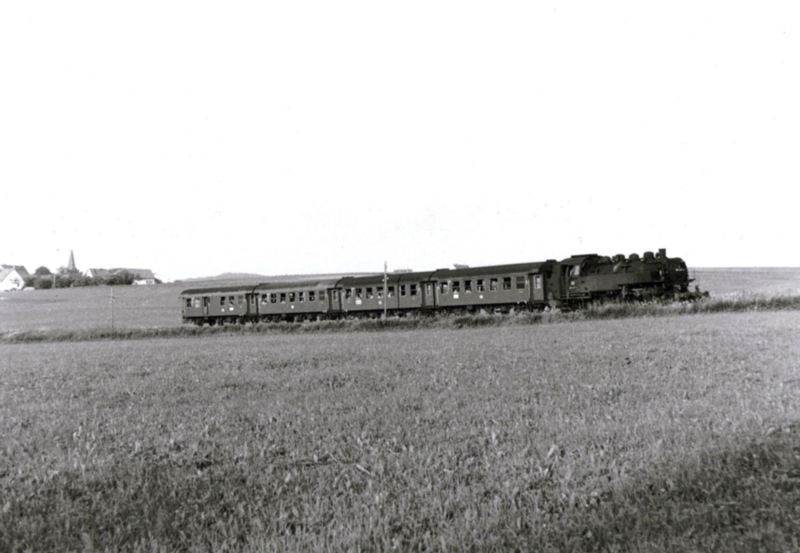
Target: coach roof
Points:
(391, 278)
(490, 270)
(322, 284)
(242, 288)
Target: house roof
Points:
(6, 270)
(141, 273)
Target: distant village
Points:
(17, 277)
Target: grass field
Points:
(654, 434)
(137, 307)
(726, 282)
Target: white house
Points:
(142, 276)
(98, 273)
(12, 277)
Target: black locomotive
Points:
(571, 283)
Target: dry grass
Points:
(650, 434)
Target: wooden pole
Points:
(385, 297)
(112, 310)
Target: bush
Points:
(43, 283)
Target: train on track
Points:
(571, 283)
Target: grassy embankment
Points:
(732, 304)
(652, 434)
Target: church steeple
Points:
(71, 265)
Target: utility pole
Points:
(112, 310)
(385, 297)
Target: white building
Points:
(12, 277)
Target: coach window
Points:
(481, 285)
(188, 302)
(537, 282)
(322, 295)
(575, 271)
(379, 292)
(413, 290)
(506, 283)
(273, 298)
(402, 290)
(359, 292)
(197, 303)
(265, 298)
(468, 286)
(348, 293)
(493, 285)
(390, 292)
(311, 295)
(291, 297)
(231, 300)
(222, 301)
(283, 297)
(334, 295)
(456, 287)
(520, 282)
(428, 289)
(444, 287)
(240, 299)
(369, 293)
(301, 297)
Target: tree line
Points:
(43, 279)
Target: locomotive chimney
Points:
(662, 252)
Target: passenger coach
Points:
(572, 282)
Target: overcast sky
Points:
(317, 137)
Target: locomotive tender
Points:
(572, 282)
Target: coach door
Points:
(206, 301)
(554, 285)
(428, 295)
(537, 287)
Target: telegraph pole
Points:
(385, 297)
(112, 310)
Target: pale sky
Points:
(198, 138)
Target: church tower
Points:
(71, 265)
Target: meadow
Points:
(650, 434)
(726, 282)
(148, 307)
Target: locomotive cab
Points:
(574, 272)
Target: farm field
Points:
(721, 282)
(138, 307)
(90, 307)
(662, 434)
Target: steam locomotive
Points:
(571, 283)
